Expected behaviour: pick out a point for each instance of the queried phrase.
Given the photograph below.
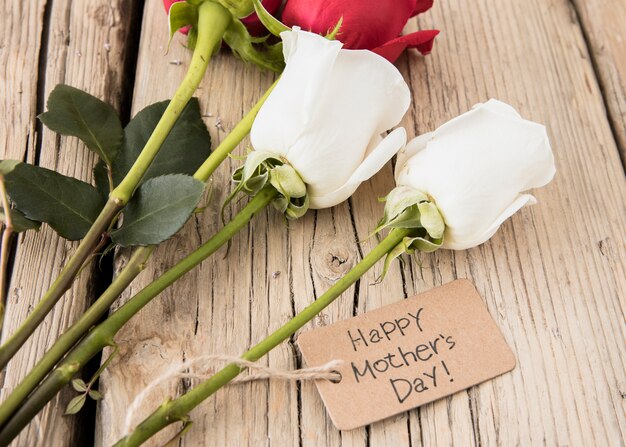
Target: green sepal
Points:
(192, 38)
(397, 202)
(261, 168)
(273, 25)
(238, 8)
(182, 14)
(431, 219)
(408, 246)
(332, 34)
(269, 57)
(297, 207)
(412, 209)
(287, 182)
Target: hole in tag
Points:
(336, 379)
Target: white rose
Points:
(326, 115)
(475, 168)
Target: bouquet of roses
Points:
(321, 130)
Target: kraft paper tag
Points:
(407, 354)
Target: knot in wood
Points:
(333, 259)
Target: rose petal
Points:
(422, 6)
(422, 41)
(373, 162)
(253, 23)
(450, 241)
(366, 24)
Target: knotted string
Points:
(182, 370)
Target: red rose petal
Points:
(422, 6)
(420, 40)
(366, 24)
(253, 23)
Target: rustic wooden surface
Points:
(553, 277)
(42, 44)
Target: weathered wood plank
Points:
(198, 314)
(552, 277)
(85, 44)
(604, 25)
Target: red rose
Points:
(367, 24)
(252, 21)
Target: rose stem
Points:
(178, 409)
(135, 265)
(102, 335)
(212, 23)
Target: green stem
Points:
(102, 335)
(134, 266)
(212, 23)
(213, 19)
(69, 338)
(178, 409)
(232, 140)
(60, 285)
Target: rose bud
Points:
(320, 132)
(366, 24)
(475, 169)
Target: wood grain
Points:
(552, 277)
(604, 26)
(83, 44)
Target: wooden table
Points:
(553, 277)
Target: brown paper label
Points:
(407, 354)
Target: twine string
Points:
(183, 370)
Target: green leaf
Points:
(182, 14)
(241, 43)
(270, 22)
(68, 205)
(76, 404)
(79, 385)
(95, 394)
(7, 166)
(74, 112)
(158, 210)
(101, 178)
(19, 222)
(183, 151)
